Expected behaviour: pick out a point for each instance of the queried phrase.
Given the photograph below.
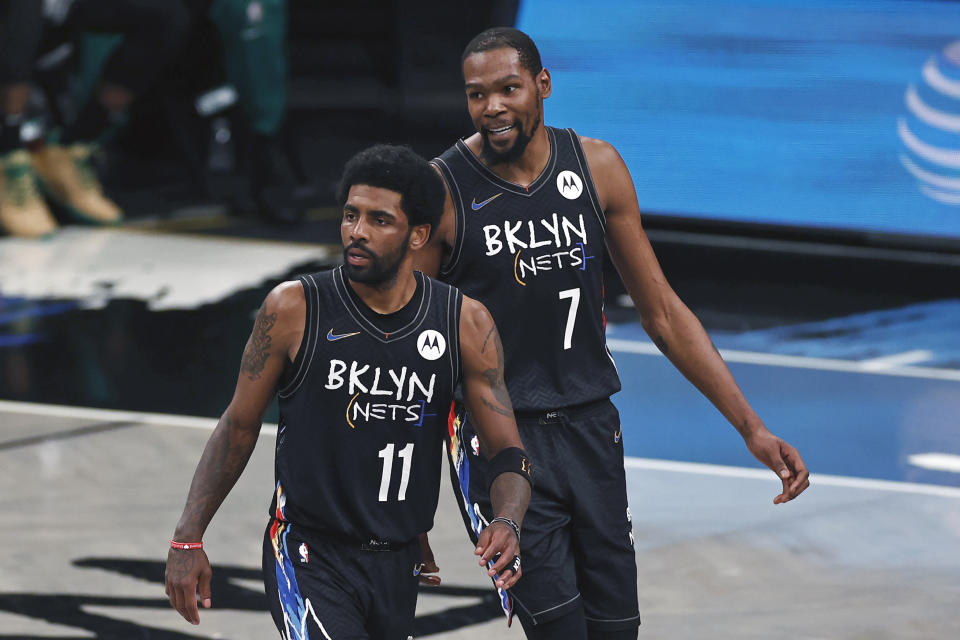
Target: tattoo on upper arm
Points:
(489, 333)
(258, 347)
(662, 345)
(498, 386)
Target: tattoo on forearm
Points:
(221, 464)
(497, 408)
(258, 347)
(662, 345)
(498, 386)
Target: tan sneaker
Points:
(66, 176)
(23, 211)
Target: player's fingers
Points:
(188, 602)
(429, 581)
(797, 489)
(509, 576)
(483, 542)
(507, 551)
(483, 546)
(204, 587)
(179, 604)
(497, 547)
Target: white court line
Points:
(816, 480)
(207, 424)
(113, 415)
(897, 359)
(798, 362)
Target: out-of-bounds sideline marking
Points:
(872, 366)
(208, 424)
(113, 415)
(700, 468)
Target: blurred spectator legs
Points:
(22, 211)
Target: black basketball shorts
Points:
(577, 539)
(320, 588)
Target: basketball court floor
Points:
(118, 348)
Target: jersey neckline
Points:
(366, 317)
(501, 183)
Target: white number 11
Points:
(574, 295)
(387, 454)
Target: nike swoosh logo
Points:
(480, 205)
(333, 337)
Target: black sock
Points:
(10, 132)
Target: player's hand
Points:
(498, 544)
(428, 564)
(783, 460)
(188, 572)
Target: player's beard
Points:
(381, 271)
(494, 157)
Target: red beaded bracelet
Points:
(186, 546)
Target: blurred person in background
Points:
(152, 30)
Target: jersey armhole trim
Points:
(458, 219)
(308, 345)
(454, 304)
(588, 177)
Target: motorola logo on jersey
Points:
(431, 344)
(569, 185)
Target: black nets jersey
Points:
(363, 413)
(534, 256)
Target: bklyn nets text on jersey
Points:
(380, 394)
(557, 232)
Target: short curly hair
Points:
(400, 169)
(509, 38)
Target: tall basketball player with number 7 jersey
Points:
(529, 211)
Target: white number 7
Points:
(574, 295)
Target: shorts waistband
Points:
(548, 416)
(370, 544)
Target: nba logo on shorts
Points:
(431, 344)
(304, 552)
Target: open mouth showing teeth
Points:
(501, 129)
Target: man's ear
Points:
(544, 84)
(419, 236)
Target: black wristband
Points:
(513, 525)
(510, 460)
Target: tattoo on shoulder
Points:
(662, 344)
(258, 347)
